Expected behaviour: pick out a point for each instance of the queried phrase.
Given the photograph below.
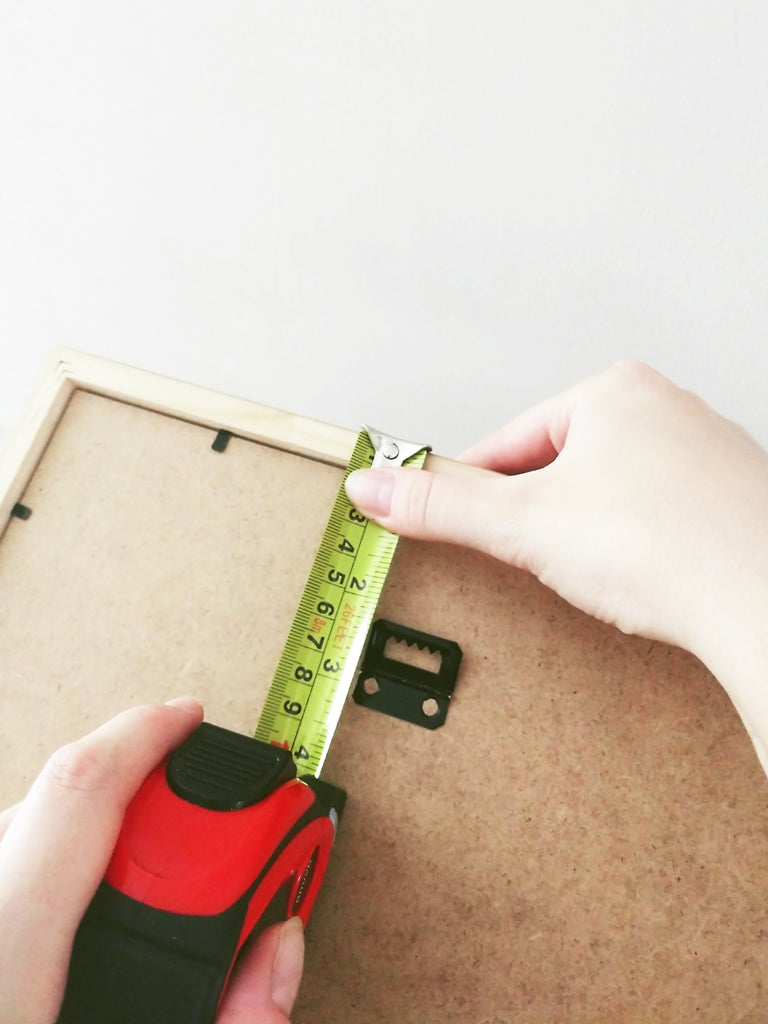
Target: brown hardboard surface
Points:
(586, 838)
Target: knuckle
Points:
(630, 367)
(635, 373)
(77, 767)
(419, 504)
(516, 540)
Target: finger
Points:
(266, 980)
(6, 817)
(80, 797)
(483, 511)
(57, 848)
(530, 441)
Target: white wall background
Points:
(422, 214)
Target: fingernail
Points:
(370, 491)
(287, 965)
(188, 704)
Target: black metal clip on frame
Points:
(405, 691)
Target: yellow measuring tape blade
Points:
(330, 628)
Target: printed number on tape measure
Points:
(325, 642)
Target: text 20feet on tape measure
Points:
(326, 641)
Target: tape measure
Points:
(222, 839)
(326, 640)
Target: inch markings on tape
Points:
(326, 640)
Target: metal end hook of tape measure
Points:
(325, 643)
(391, 451)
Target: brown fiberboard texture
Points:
(585, 839)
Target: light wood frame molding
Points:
(69, 370)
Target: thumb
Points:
(266, 978)
(468, 506)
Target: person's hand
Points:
(54, 849)
(630, 498)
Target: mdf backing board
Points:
(586, 838)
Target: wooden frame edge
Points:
(200, 405)
(27, 440)
(69, 370)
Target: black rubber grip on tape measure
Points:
(181, 982)
(224, 770)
